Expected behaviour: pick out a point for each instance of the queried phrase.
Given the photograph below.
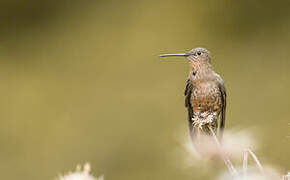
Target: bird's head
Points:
(199, 55)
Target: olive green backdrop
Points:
(81, 81)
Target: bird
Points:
(205, 95)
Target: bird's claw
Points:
(203, 119)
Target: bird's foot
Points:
(204, 119)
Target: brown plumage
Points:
(205, 94)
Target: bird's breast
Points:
(206, 96)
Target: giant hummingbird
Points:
(205, 94)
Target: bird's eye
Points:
(199, 53)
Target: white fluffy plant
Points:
(80, 174)
(233, 146)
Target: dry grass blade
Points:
(248, 151)
(245, 163)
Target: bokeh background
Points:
(81, 81)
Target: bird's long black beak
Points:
(178, 54)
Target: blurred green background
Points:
(82, 81)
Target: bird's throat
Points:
(199, 70)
